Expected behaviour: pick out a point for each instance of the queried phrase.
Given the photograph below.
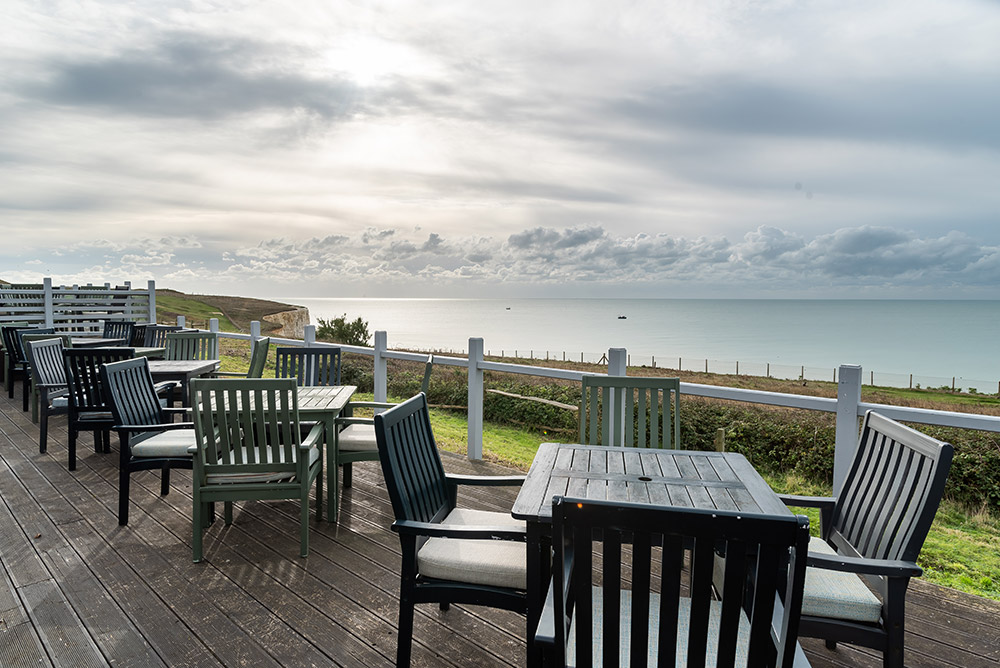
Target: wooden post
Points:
(720, 440)
(50, 319)
(911, 381)
(768, 374)
(617, 366)
(309, 335)
(706, 365)
(181, 320)
(846, 441)
(151, 286)
(654, 361)
(737, 367)
(213, 325)
(475, 435)
(255, 329)
(871, 378)
(381, 366)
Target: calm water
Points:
(932, 339)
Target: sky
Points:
(579, 148)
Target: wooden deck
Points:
(78, 590)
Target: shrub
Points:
(340, 330)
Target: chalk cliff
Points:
(291, 324)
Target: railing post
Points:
(213, 325)
(381, 367)
(47, 299)
(255, 329)
(848, 398)
(617, 366)
(309, 336)
(151, 286)
(181, 320)
(475, 448)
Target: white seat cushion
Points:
(60, 402)
(357, 438)
(837, 594)
(171, 443)
(497, 563)
(254, 477)
(683, 625)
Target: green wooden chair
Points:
(250, 447)
(192, 346)
(258, 360)
(154, 336)
(644, 412)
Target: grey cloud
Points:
(542, 239)
(194, 76)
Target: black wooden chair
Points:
(88, 406)
(48, 375)
(119, 329)
(873, 529)
(630, 411)
(27, 338)
(150, 439)
(308, 366)
(450, 554)
(668, 615)
(17, 359)
(138, 339)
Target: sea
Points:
(931, 343)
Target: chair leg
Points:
(73, 434)
(106, 440)
(43, 430)
(165, 480)
(25, 391)
(196, 522)
(830, 644)
(347, 474)
(319, 495)
(445, 606)
(227, 512)
(304, 525)
(404, 641)
(123, 495)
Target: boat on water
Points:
(623, 317)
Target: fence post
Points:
(309, 335)
(151, 286)
(617, 366)
(380, 366)
(213, 325)
(50, 319)
(475, 447)
(255, 329)
(181, 320)
(848, 398)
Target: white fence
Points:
(76, 308)
(848, 406)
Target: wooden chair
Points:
(27, 338)
(258, 360)
(309, 366)
(192, 346)
(250, 447)
(450, 554)
(156, 335)
(644, 412)
(138, 339)
(668, 615)
(150, 439)
(4, 352)
(88, 406)
(873, 529)
(119, 329)
(17, 361)
(48, 375)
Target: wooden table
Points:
(94, 342)
(711, 480)
(324, 403)
(182, 371)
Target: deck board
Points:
(77, 590)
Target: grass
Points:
(196, 312)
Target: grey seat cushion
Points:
(498, 563)
(255, 477)
(837, 594)
(172, 443)
(357, 438)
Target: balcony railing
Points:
(848, 406)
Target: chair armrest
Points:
(436, 530)
(230, 374)
(154, 427)
(885, 567)
(368, 404)
(314, 437)
(807, 501)
(545, 632)
(179, 410)
(485, 480)
(354, 420)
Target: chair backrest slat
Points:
(411, 463)
(192, 345)
(131, 393)
(888, 499)
(119, 329)
(765, 562)
(156, 335)
(46, 357)
(83, 375)
(309, 366)
(258, 357)
(630, 411)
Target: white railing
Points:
(848, 406)
(77, 308)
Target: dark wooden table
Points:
(712, 480)
(324, 403)
(94, 342)
(182, 371)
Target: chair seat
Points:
(837, 594)
(357, 438)
(171, 443)
(496, 563)
(96, 416)
(60, 402)
(277, 476)
(683, 621)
